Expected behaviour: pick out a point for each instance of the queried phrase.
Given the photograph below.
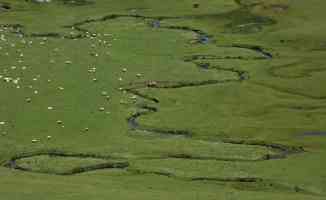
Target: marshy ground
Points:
(143, 100)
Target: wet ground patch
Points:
(244, 22)
(314, 133)
(76, 2)
(59, 163)
(253, 184)
(270, 186)
(296, 70)
(277, 8)
(64, 2)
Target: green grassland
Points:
(146, 99)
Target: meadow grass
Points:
(223, 101)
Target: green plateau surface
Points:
(156, 100)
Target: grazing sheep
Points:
(104, 93)
(152, 84)
(35, 140)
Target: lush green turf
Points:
(73, 74)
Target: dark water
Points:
(204, 39)
(204, 65)
(156, 24)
